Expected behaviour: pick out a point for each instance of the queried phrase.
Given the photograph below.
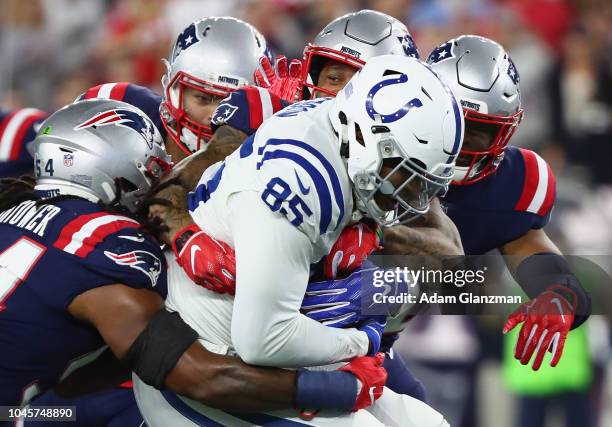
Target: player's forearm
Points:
(272, 266)
(227, 383)
(296, 342)
(223, 143)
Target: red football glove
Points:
(285, 82)
(547, 320)
(208, 262)
(355, 244)
(372, 376)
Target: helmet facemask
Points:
(481, 159)
(315, 58)
(129, 194)
(189, 134)
(403, 181)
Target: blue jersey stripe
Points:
(202, 420)
(246, 149)
(331, 172)
(203, 191)
(188, 412)
(317, 178)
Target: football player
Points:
(283, 198)
(340, 49)
(17, 130)
(502, 197)
(344, 46)
(211, 58)
(78, 273)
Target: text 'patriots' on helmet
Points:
(345, 44)
(400, 129)
(101, 150)
(485, 80)
(210, 58)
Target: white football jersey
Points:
(294, 162)
(281, 201)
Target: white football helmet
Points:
(396, 111)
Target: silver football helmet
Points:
(214, 55)
(352, 39)
(481, 74)
(97, 147)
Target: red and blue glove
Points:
(354, 245)
(355, 386)
(350, 302)
(546, 319)
(372, 378)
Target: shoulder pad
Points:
(538, 191)
(245, 109)
(17, 128)
(81, 235)
(111, 245)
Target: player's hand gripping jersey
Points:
(49, 254)
(280, 202)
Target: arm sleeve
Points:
(272, 264)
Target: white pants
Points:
(161, 409)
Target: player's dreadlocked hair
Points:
(16, 190)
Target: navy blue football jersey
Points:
(49, 254)
(518, 197)
(17, 129)
(139, 96)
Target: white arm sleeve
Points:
(272, 268)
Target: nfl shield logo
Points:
(68, 159)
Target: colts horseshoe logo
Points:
(390, 118)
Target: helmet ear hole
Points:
(359, 135)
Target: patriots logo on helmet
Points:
(223, 113)
(441, 53)
(409, 46)
(512, 72)
(186, 39)
(143, 261)
(122, 117)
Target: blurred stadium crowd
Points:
(52, 50)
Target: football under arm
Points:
(121, 314)
(272, 271)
